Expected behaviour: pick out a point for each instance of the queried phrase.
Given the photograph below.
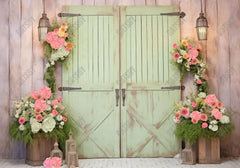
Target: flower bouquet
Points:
(39, 113)
(201, 115)
(188, 58)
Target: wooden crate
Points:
(208, 151)
(39, 150)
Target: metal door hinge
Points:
(68, 14)
(173, 88)
(68, 88)
(180, 14)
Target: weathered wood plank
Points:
(150, 2)
(4, 75)
(100, 2)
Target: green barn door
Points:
(94, 66)
(147, 129)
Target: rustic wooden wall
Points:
(22, 67)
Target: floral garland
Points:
(201, 114)
(57, 48)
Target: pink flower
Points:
(204, 125)
(40, 105)
(219, 104)
(216, 113)
(38, 110)
(34, 94)
(47, 163)
(194, 104)
(176, 55)
(67, 49)
(55, 102)
(178, 121)
(189, 46)
(59, 42)
(64, 119)
(60, 99)
(194, 121)
(193, 53)
(51, 37)
(210, 99)
(177, 115)
(175, 45)
(39, 117)
(199, 81)
(55, 30)
(45, 92)
(54, 112)
(203, 117)
(56, 162)
(21, 120)
(195, 115)
(194, 61)
(185, 112)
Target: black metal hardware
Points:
(180, 14)
(173, 88)
(117, 96)
(68, 14)
(123, 96)
(68, 88)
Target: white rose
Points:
(52, 63)
(179, 60)
(49, 102)
(225, 119)
(21, 127)
(48, 108)
(35, 126)
(202, 95)
(16, 115)
(196, 77)
(31, 105)
(202, 64)
(222, 110)
(48, 124)
(214, 128)
(213, 122)
(62, 123)
(188, 102)
(59, 118)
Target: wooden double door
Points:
(122, 64)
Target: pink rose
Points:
(51, 37)
(21, 120)
(204, 125)
(194, 121)
(204, 117)
(194, 104)
(193, 53)
(55, 102)
(60, 42)
(34, 94)
(189, 46)
(39, 117)
(60, 99)
(45, 92)
(185, 112)
(54, 112)
(40, 105)
(177, 115)
(175, 45)
(176, 55)
(178, 121)
(55, 30)
(195, 115)
(64, 119)
(199, 81)
(67, 49)
(210, 99)
(56, 162)
(194, 61)
(219, 104)
(47, 163)
(218, 116)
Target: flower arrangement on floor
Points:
(201, 115)
(57, 48)
(52, 162)
(39, 113)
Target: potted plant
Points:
(202, 118)
(38, 120)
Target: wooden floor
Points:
(131, 163)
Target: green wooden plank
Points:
(149, 49)
(95, 50)
(155, 48)
(100, 50)
(106, 68)
(138, 68)
(90, 49)
(160, 50)
(133, 65)
(165, 49)
(128, 55)
(144, 48)
(111, 49)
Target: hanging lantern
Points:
(43, 25)
(202, 26)
(56, 152)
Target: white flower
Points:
(47, 65)
(213, 122)
(62, 123)
(35, 126)
(31, 105)
(179, 60)
(210, 127)
(60, 126)
(196, 77)
(48, 124)
(222, 110)
(18, 111)
(48, 108)
(188, 102)
(225, 119)
(202, 64)
(175, 119)
(214, 127)
(59, 117)
(202, 95)
(21, 127)
(52, 63)
(16, 115)
(49, 102)
(182, 52)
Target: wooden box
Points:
(208, 151)
(39, 150)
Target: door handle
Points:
(117, 96)
(123, 96)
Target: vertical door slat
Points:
(149, 49)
